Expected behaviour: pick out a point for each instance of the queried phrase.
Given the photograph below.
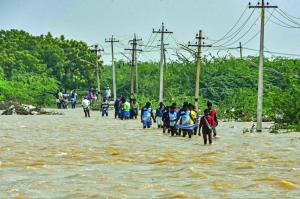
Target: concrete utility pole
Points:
(161, 77)
(165, 62)
(96, 50)
(112, 40)
(199, 45)
(241, 55)
(134, 60)
(261, 63)
(136, 74)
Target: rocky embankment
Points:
(25, 109)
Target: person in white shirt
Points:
(86, 106)
(108, 94)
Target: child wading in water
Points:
(206, 122)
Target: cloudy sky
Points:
(224, 23)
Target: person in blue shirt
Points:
(185, 120)
(172, 117)
(181, 112)
(146, 115)
(158, 115)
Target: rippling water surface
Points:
(70, 156)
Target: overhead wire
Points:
(287, 18)
(286, 25)
(259, 30)
(272, 52)
(288, 15)
(232, 27)
(147, 46)
(242, 35)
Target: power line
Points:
(286, 25)
(272, 52)
(242, 35)
(232, 27)
(259, 30)
(237, 31)
(287, 18)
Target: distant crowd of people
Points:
(62, 98)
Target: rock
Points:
(25, 109)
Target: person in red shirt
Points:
(213, 114)
(206, 122)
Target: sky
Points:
(93, 21)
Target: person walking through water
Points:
(146, 114)
(166, 119)
(86, 106)
(213, 114)
(121, 108)
(90, 97)
(206, 122)
(193, 117)
(108, 94)
(61, 98)
(134, 107)
(116, 106)
(57, 98)
(126, 109)
(158, 114)
(73, 98)
(104, 107)
(172, 114)
(184, 122)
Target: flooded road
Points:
(70, 156)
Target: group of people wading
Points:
(62, 98)
(126, 110)
(176, 121)
(183, 120)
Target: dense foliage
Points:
(33, 67)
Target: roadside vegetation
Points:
(32, 68)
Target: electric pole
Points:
(96, 50)
(241, 55)
(165, 62)
(136, 74)
(161, 77)
(133, 61)
(112, 40)
(261, 63)
(241, 48)
(199, 45)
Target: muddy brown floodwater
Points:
(70, 156)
